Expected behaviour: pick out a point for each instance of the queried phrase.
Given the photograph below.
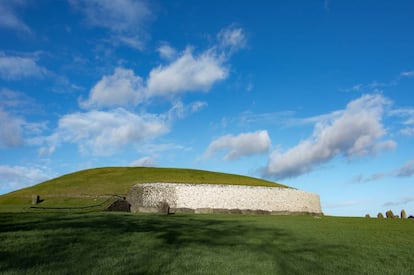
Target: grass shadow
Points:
(96, 242)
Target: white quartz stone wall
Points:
(212, 196)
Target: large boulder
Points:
(380, 216)
(389, 214)
(403, 214)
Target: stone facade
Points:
(213, 198)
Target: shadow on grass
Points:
(114, 243)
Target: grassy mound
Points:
(89, 186)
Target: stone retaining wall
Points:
(213, 198)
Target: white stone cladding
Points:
(148, 197)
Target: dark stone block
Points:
(120, 205)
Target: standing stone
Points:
(389, 214)
(163, 208)
(367, 216)
(380, 216)
(35, 199)
(403, 215)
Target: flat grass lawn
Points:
(115, 243)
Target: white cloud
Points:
(195, 72)
(187, 73)
(9, 18)
(46, 150)
(16, 100)
(132, 41)
(407, 170)
(404, 200)
(11, 130)
(167, 52)
(117, 15)
(16, 67)
(232, 38)
(356, 131)
(144, 162)
(102, 133)
(197, 106)
(15, 177)
(375, 177)
(179, 110)
(245, 144)
(14, 128)
(407, 113)
(124, 18)
(121, 89)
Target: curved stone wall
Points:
(212, 198)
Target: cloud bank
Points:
(110, 120)
(355, 131)
(184, 72)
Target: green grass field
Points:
(86, 187)
(120, 243)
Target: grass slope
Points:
(118, 243)
(78, 188)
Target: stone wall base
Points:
(168, 198)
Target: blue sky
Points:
(317, 95)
